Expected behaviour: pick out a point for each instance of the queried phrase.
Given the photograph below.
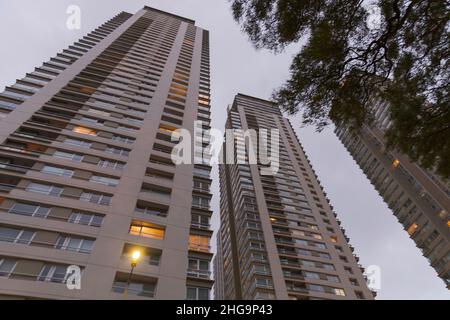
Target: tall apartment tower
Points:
(279, 236)
(419, 198)
(86, 176)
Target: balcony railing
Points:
(196, 273)
(199, 247)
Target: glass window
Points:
(111, 164)
(315, 287)
(339, 292)
(29, 210)
(83, 130)
(199, 243)
(147, 231)
(88, 219)
(96, 198)
(78, 143)
(105, 180)
(44, 189)
(195, 293)
(311, 275)
(74, 244)
(57, 171)
(135, 288)
(16, 235)
(6, 266)
(52, 273)
(68, 155)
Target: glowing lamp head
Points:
(135, 256)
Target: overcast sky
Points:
(33, 31)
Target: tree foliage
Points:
(396, 50)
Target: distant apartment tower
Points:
(419, 198)
(218, 270)
(86, 175)
(279, 236)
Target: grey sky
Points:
(34, 31)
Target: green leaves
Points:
(345, 64)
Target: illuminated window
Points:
(198, 243)
(146, 231)
(339, 292)
(412, 228)
(166, 128)
(333, 239)
(203, 102)
(87, 90)
(84, 130)
(395, 164)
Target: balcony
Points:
(200, 274)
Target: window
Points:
(150, 255)
(96, 198)
(112, 182)
(201, 172)
(196, 293)
(260, 269)
(153, 232)
(311, 275)
(339, 292)
(316, 287)
(57, 171)
(200, 221)
(70, 243)
(118, 151)
(412, 228)
(83, 130)
(29, 210)
(263, 283)
(333, 278)
(198, 268)
(88, 219)
(68, 156)
(100, 112)
(87, 119)
(152, 209)
(123, 139)
(6, 266)
(198, 243)
(111, 164)
(16, 235)
(328, 266)
(52, 273)
(201, 185)
(44, 189)
(134, 288)
(200, 202)
(77, 143)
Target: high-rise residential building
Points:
(218, 269)
(279, 236)
(419, 198)
(86, 176)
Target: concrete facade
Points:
(86, 175)
(419, 198)
(279, 236)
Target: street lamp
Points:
(135, 256)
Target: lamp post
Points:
(135, 256)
